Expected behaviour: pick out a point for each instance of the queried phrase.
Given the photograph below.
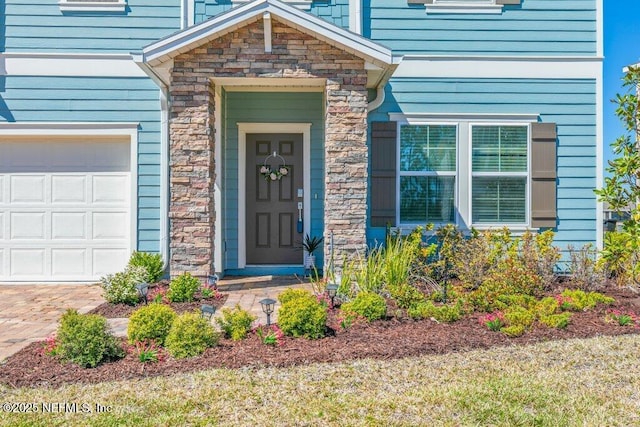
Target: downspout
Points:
(164, 157)
(378, 100)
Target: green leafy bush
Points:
(151, 262)
(190, 335)
(302, 316)
(447, 313)
(558, 321)
(291, 294)
(405, 295)
(183, 288)
(151, 322)
(579, 300)
(235, 323)
(121, 287)
(84, 339)
(519, 316)
(547, 306)
(513, 330)
(368, 305)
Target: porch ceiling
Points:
(157, 58)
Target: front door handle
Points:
(300, 226)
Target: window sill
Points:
(300, 4)
(92, 6)
(492, 9)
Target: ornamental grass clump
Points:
(302, 315)
(151, 322)
(235, 323)
(84, 339)
(190, 335)
(183, 288)
(368, 305)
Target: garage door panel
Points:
(68, 225)
(28, 189)
(28, 225)
(112, 189)
(110, 225)
(69, 262)
(68, 189)
(106, 261)
(65, 208)
(27, 262)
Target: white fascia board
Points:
(462, 117)
(551, 67)
(68, 128)
(188, 39)
(67, 64)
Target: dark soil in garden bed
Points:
(387, 339)
(112, 311)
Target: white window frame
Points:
(526, 175)
(402, 173)
(92, 6)
(463, 190)
(464, 6)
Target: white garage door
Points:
(64, 208)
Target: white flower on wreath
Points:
(274, 175)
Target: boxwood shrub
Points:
(369, 305)
(190, 335)
(151, 322)
(84, 339)
(301, 314)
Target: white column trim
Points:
(243, 130)
(266, 19)
(599, 160)
(355, 16)
(218, 249)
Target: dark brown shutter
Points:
(383, 173)
(543, 175)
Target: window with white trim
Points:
(499, 164)
(470, 173)
(92, 5)
(427, 173)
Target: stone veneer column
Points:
(346, 161)
(192, 173)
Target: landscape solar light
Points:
(143, 290)
(268, 305)
(212, 281)
(207, 311)
(332, 290)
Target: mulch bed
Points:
(112, 311)
(389, 339)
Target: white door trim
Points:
(243, 130)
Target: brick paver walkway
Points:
(30, 313)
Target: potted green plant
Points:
(310, 245)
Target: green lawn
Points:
(593, 382)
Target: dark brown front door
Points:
(272, 201)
